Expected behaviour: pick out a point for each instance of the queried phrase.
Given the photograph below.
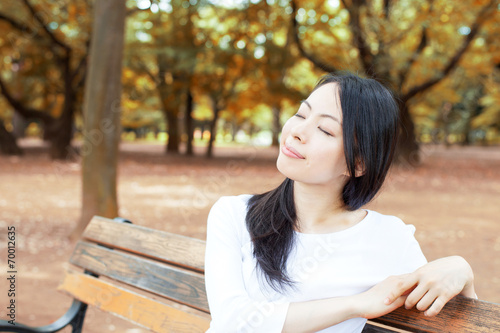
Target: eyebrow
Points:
(323, 115)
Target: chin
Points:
(280, 162)
(286, 169)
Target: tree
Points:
(225, 62)
(39, 39)
(412, 46)
(102, 114)
(168, 57)
(280, 55)
(8, 144)
(489, 119)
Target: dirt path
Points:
(453, 199)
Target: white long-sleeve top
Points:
(336, 264)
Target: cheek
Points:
(330, 156)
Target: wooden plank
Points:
(461, 314)
(182, 250)
(181, 285)
(139, 309)
(370, 328)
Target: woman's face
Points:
(311, 146)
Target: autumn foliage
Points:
(210, 71)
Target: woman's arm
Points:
(431, 286)
(316, 315)
(231, 307)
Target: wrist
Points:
(357, 306)
(468, 289)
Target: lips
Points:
(291, 152)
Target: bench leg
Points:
(74, 317)
(77, 321)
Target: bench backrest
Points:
(150, 277)
(155, 279)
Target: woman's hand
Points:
(373, 302)
(431, 286)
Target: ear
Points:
(360, 169)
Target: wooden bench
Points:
(155, 279)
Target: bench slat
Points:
(144, 311)
(182, 250)
(181, 285)
(370, 328)
(461, 314)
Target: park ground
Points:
(453, 199)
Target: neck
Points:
(320, 208)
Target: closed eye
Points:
(299, 115)
(326, 132)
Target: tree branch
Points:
(82, 66)
(82, 70)
(387, 8)
(19, 26)
(156, 78)
(135, 10)
(453, 61)
(21, 109)
(323, 66)
(365, 55)
(36, 16)
(421, 46)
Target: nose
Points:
(299, 132)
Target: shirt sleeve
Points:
(413, 257)
(231, 308)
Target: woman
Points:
(306, 257)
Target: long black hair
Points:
(370, 128)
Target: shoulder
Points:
(389, 224)
(394, 241)
(228, 214)
(234, 204)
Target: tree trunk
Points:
(20, 124)
(213, 129)
(171, 116)
(62, 128)
(276, 126)
(173, 132)
(169, 103)
(8, 144)
(102, 114)
(234, 128)
(407, 149)
(189, 123)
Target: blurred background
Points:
(196, 105)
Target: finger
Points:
(402, 284)
(426, 301)
(397, 303)
(436, 306)
(406, 293)
(443, 298)
(416, 295)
